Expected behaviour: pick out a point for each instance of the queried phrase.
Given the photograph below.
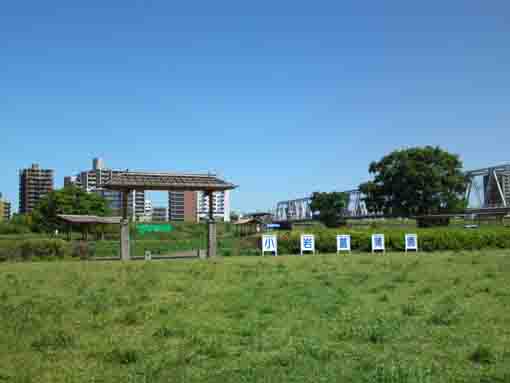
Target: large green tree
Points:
(330, 207)
(69, 200)
(416, 181)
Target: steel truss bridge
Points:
(299, 209)
(489, 188)
(488, 192)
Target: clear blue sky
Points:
(281, 97)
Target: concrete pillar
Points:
(211, 243)
(124, 229)
(124, 240)
(211, 232)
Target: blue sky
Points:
(281, 97)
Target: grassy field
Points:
(395, 318)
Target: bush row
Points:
(428, 239)
(7, 228)
(43, 249)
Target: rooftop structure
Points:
(167, 182)
(89, 219)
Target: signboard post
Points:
(378, 243)
(307, 243)
(343, 244)
(270, 244)
(411, 242)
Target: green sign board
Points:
(154, 228)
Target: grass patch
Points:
(446, 313)
(54, 340)
(254, 319)
(482, 355)
(124, 356)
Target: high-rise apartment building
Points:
(5, 209)
(92, 181)
(221, 206)
(182, 206)
(34, 184)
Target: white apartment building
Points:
(221, 206)
(148, 210)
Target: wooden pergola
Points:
(127, 182)
(86, 221)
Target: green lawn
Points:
(361, 318)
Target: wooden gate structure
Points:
(127, 182)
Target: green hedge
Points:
(30, 249)
(7, 228)
(428, 239)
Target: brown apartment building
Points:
(34, 184)
(182, 206)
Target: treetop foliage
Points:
(330, 207)
(416, 181)
(69, 200)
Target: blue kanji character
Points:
(269, 244)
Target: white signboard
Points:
(343, 243)
(411, 242)
(378, 242)
(307, 243)
(269, 244)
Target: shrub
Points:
(84, 249)
(44, 249)
(13, 228)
